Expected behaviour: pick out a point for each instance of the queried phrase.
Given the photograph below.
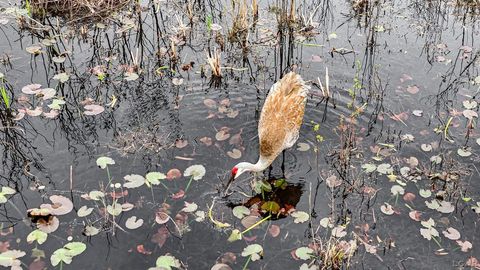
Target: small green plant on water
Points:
(316, 129)
(209, 23)
(5, 97)
(28, 7)
(357, 84)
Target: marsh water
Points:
(392, 147)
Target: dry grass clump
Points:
(215, 66)
(75, 10)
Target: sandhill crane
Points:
(279, 125)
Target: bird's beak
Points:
(232, 178)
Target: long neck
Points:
(261, 164)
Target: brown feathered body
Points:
(280, 121)
(282, 116)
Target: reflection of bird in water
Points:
(279, 124)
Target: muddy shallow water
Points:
(400, 125)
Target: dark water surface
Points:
(385, 62)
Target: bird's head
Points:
(239, 169)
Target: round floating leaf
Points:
(167, 262)
(58, 59)
(47, 93)
(154, 177)
(235, 235)
(425, 193)
(428, 233)
(304, 253)
(469, 105)
(240, 211)
(84, 211)
(413, 89)
(181, 143)
(196, 171)
(428, 224)
(56, 103)
(62, 77)
(387, 209)
(161, 217)
(50, 225)
(249, 221)
(369, 168)
(173, 173)
(35, 50)
(31, 89)
(38, 236)
(90, 230)
(102, 162)
(271, 207)
(210, 103)
(235, 153)
(436, 159)
(303, 147)
(415, 215)
(253, 250)
(190, 207)
(222, 135)
(115, 209)
(426, 147)
(418, 113)
(397, 190)
(177, 81)
(61, 205)
(339, 232)
(200, 216)
(385, 168)
(130, 76)
(464, 152)
(93, 109)
(215, 27)
(133, 223)
(300, 216)
(95, 194)
(451, 233)
(469, 114)
(133, 181)
(446, 207)
(465, 246)
(61, 255)
(9, 258)
(274, 230)
(75, 248)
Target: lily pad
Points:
(300, 216)
(240, 211)
(304, 253)
(133, 223)
(253, 250)
(103, 162)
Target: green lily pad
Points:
(38, 236)
(240, 211)
(154, 178)
(304, 253)
(235, 235)
(103, 162)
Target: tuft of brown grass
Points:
(75, 10)
(214, 63)
(239, 30)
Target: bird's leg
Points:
(270, 168)
(283, 164)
